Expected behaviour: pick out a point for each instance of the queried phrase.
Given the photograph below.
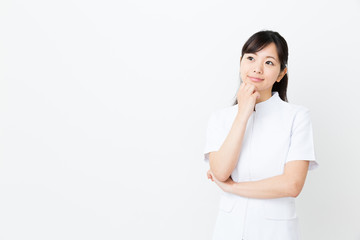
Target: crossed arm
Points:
(288, 184)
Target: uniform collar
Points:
(269, 102)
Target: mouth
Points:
(254, 79)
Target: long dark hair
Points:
(259, 41)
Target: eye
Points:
(270, 62)
(250, 58)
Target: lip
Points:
(256, 79)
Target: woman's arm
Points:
(289, 184)
(223, 161)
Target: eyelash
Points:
(266, 61)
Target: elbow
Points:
(222, 177)
(221, 174)
(294, 189)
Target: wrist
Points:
(241, 117)
(231, 187)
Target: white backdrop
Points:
(104, 105)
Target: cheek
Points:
(272, 76)
(275, 74)
(243, 71)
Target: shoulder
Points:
(224, 112)
(298, 115)
(222, 116)
(294, 109)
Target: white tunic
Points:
(277, 132)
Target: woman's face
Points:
(262, 68)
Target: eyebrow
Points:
(267, 56)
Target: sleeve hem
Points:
(313, 164)
(207, 154)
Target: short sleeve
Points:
(301, 140)
(215, 136)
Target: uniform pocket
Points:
(227, 203)
(280, 208)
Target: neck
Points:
(264, 96)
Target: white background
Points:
(104, 105)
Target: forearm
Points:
(273, 187)
(223, 162)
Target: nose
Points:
(258, 69)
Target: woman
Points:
(260, 149)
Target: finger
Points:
(247, 88)
(242, 85)
(251, 87)
(256, 94)
(211, 176)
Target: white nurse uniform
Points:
(277, 132)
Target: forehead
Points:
(268, 51)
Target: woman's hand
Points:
(246, 97)
(225, 186)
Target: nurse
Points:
(260, 149)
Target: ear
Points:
(282, 74)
